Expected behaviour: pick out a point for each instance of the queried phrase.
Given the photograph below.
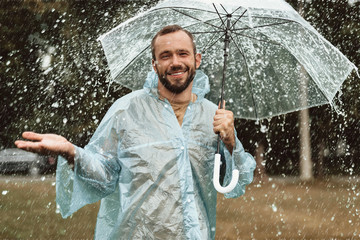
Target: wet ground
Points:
(26, 178)
(275, 209)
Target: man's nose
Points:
(175, 61)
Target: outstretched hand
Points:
(224, 125)
(48, 144)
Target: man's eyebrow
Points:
(168, 51)
(182, 50)
(164, 52)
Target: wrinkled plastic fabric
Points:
(153, 177)
(277, 62)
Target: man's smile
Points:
(176, 74)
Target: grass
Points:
(275, 209)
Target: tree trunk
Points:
(306, 172)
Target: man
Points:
(150, 161)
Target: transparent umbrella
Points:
(261, 55)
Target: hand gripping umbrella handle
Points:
(216, 177)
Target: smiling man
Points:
(150, 161)
(175, 66)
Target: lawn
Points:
(275, 209)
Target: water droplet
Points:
(263, 129)
(55, 105)
(274, 208)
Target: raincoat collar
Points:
(200, 87)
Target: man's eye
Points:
(164, 56)
(184, 54)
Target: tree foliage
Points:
(53, 72)
(54, 78)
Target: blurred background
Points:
(54, 79)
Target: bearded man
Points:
(150, 161)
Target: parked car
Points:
(14, 160)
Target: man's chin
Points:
(176, 89)
(183, 82)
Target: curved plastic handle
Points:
(216, 177)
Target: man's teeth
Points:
(174, 74)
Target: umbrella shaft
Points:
(226, 51)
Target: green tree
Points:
(53, 72)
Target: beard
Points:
(173, 87)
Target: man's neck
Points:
(184, 96)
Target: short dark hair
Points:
(170, 29)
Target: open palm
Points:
(50, 144)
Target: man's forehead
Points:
(174, 39)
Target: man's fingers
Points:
(29, 146)
(26, 144)
(219, 127)
(32, 136)
(222, 117)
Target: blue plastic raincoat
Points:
(153, 176)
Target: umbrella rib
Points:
(260, 40)
(209, 20)
(238, 18)
(267, 25)
(260, 26)
(189, 8)
(133, 60)
(238, 9)
(241, 52)
(224, 9)
(247, 68)
(212, 44)
(205, 32)
(205, 48)
(222, 21)
(277, 18)
(195, 18)
(321, 91)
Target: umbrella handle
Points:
(216, 177)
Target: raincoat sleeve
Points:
(95, 173)
(242, 161)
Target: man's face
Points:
(175, 61)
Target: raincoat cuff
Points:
(64, 186)
(77, 158)
(73, 189)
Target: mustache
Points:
(176, 69)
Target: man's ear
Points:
(197, 60)
(153, 63)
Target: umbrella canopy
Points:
(277, 62)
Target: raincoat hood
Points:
(200, 87)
